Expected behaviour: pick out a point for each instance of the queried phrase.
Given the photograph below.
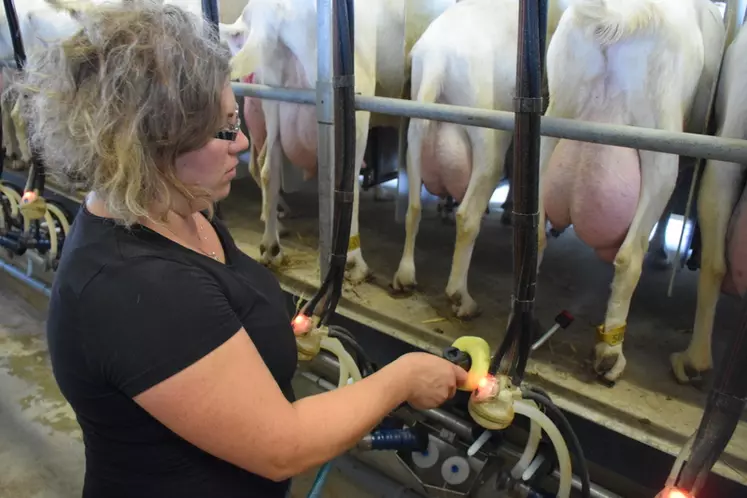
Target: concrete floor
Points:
(41, 450)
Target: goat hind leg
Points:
(404, 279)
(487, 147)
(658, 178)
(357, 269)
(718, 195)
(271, 253)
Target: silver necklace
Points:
(212, 254)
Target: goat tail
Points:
(612, 20)
(427, 79)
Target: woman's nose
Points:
(241, 143)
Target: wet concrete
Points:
(41, 449)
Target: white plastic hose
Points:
(12, 197)
(530, 450)
(53, 244)
(561, 449)
(57, 212)
(348, 367)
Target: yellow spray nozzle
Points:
(479, 351)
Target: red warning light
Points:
(676, 493)
(485, 387)
(301, 324)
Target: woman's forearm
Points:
(330, 423)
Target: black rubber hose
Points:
(365, 364)
(525, 184)
(343, 68)
(19, 52)
(557, 416)
(344, 213)
(725, 405)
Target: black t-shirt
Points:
(130, 308)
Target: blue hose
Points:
(321, 478)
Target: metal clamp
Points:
(525, 219)
(528, 105)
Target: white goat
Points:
(648, 63)
(721, 216)
(278, 45)
(466, 57)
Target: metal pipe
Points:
(685, 144)
(455, 424)
(30, 281)
(326, 103)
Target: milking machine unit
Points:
(27, 220)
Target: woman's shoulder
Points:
(151, 271)
(98, 250)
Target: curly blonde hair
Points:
(111, 107)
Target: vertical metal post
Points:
(325, 112)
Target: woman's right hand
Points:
(431, 380)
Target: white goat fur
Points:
(648, 63)
(451, 65)
(39, 23)
(720, 191)
(280, 47)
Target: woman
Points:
(174, 349)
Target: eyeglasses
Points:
(232, 130)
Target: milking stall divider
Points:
(336, 105)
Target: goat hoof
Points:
(356, 270)
(404, 280)
(463, 306)
(686, 371)
(609, 361)
(272, 257)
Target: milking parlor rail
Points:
(685, 144)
